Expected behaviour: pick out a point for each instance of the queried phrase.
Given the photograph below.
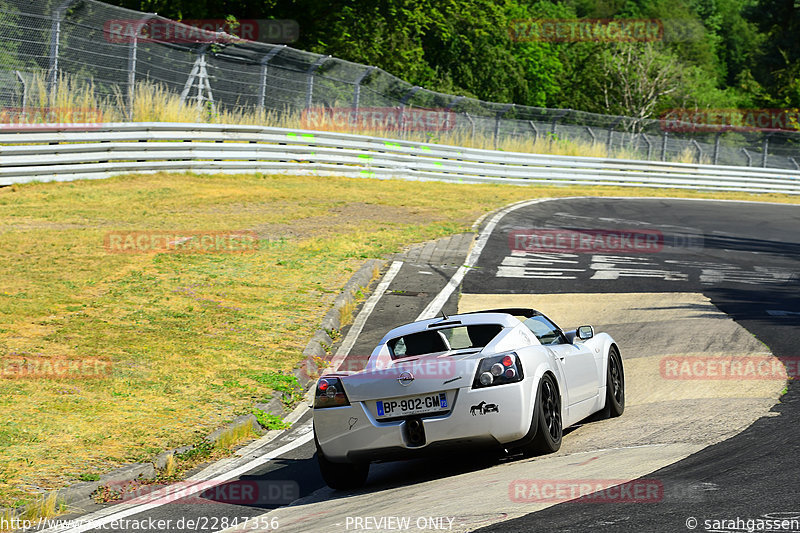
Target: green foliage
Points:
(286, 384)
(276, 381)
(725, 53)
(270, 421)
(200, 450)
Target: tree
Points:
(635, 78)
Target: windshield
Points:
(443, 340)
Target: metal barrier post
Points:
(497, 118)
(262, 88)
(472, 123)
(132, 57)
(24, 88)
(403, 103)
(648, 143)
(357, 88)
(716, 146)
(591, 133)
(55, 39)
(747, 155)
(310, 73)
(611, 127)
(699, 151)
(765, 149)
(556, 118)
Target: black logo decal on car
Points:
(483, 408)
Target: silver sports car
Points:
(508, 379)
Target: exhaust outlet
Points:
(415, 432)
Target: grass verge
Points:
(193, 339)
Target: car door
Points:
(576, 360)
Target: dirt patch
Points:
(343, 218)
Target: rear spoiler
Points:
(514, 311)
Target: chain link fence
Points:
(101, 44)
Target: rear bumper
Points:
(352, 434)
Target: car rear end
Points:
(428, 405)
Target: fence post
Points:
(403, 103)
(716, 146)
(609, 137)
(699, 151)
(55, 40)
(133, 52)
(556, 118)
(765, 149)
(591, 132)
(472, 123)
(497, 118)
(262, 86)
(535, 131)
(357, 88)
(24, 88)
(449, 107)
(310, 73)
(747, 155)
(648, 143)
(664, 146)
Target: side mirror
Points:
(585, 333)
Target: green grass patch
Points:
(269, 420)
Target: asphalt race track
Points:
(706, 280)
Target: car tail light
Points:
(330, 393)
(498, 370)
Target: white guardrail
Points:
(74, 152)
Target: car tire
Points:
(547, 415)
(341, 476)
(615, 385)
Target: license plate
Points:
(414, 405)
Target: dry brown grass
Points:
(155, 103)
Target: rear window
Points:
(444, 339)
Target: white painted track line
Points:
(438, 302)
(363, 315)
